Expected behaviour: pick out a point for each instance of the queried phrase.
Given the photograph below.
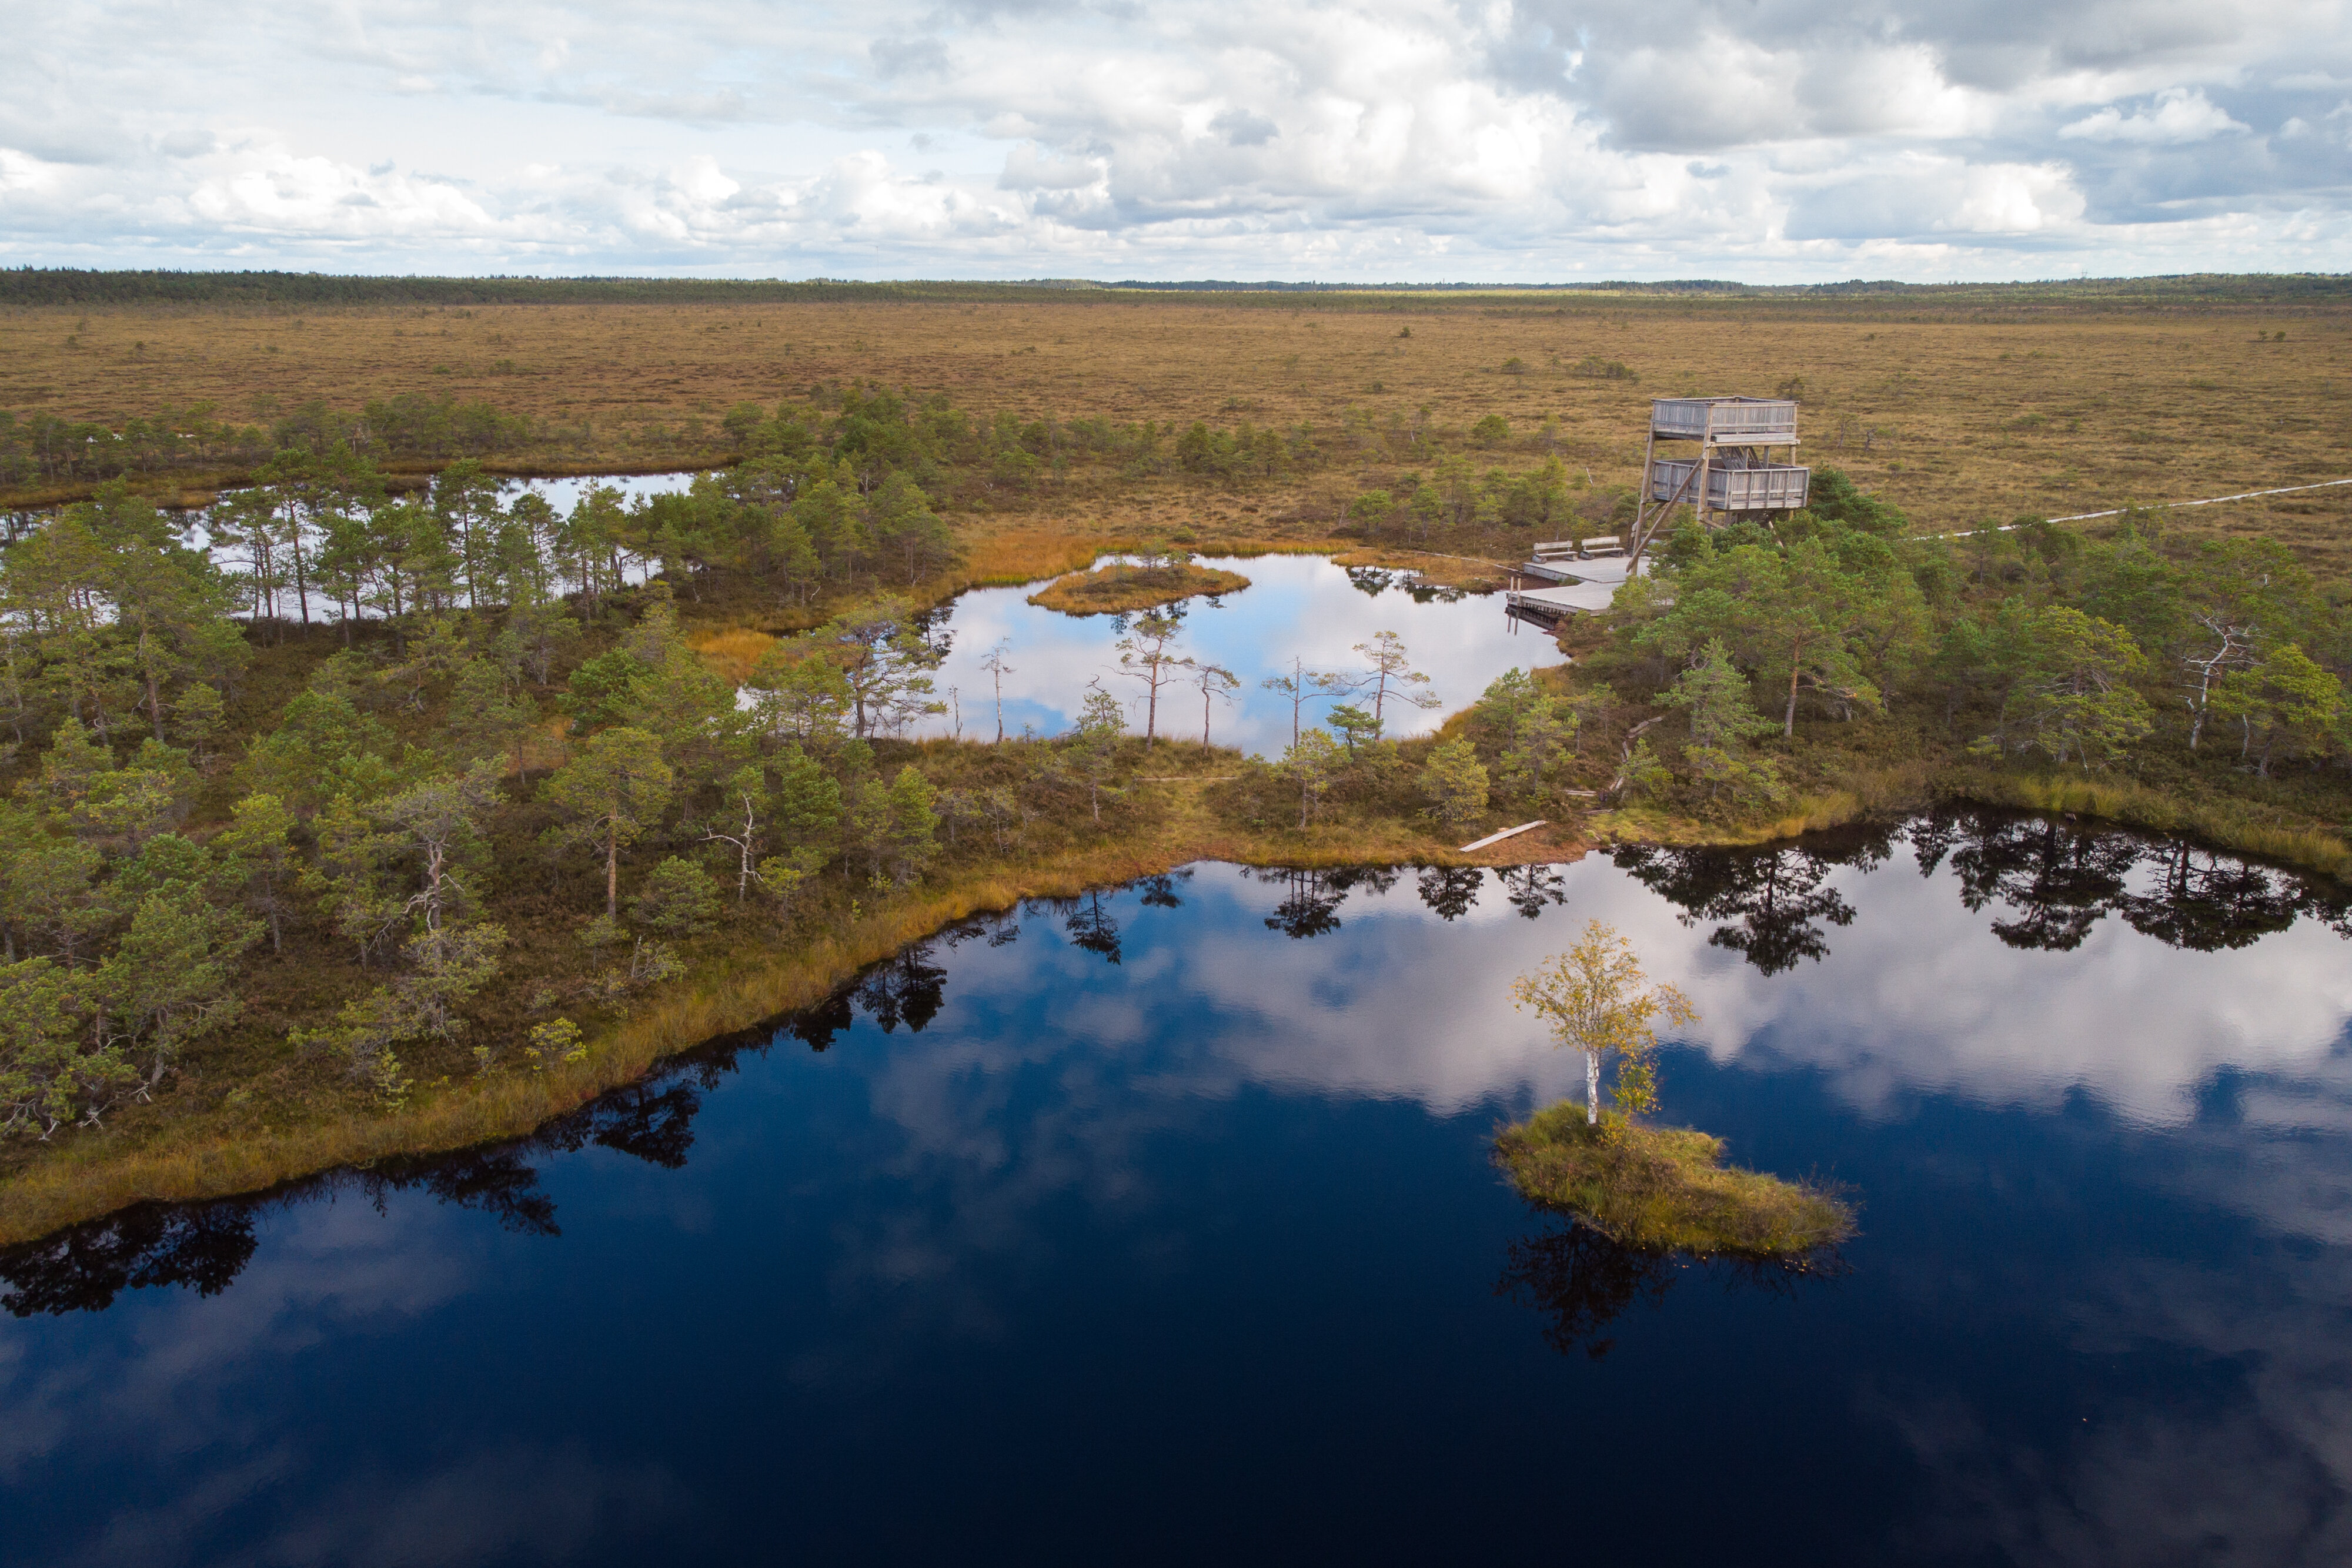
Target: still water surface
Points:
(1157, 1225)
(1298, 610)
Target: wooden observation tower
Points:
(1729, 475)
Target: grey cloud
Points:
(1240, 127)
(700, 108)
(1027, 168)
(907, 57)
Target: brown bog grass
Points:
(1959, 415)
(730, 652)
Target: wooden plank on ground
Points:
(1498, 837)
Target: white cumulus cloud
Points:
(2178, 115)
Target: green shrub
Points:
(680, 899)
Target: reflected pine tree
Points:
(907, 988)
(655, 1124)
(2211, 903)
(816, 1025)
(1123, 622)
(2330, 906)
(205, 1246)
(202, 1246)
(1532, 889)
(1775, 896)
(1091, 928)
(499, 1182)
(1451, 891)
(2061, 878)
(999, 929)
(1311, 900)
(2058, 880)
(1371, 580)
(1159, 892)
(1310, 908)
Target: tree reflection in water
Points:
(2211, 903)
(1091, 929)
(1581, 1282)
(907, 987)
(1311, 906)
(1450, 890)
(2049, 882)
(2053, 880)
(1532, 889)
(1373, 581)
(200, 1245)
(1775, 896)
(205, 1246)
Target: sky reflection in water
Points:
(1297, 608)
(1161, 1217)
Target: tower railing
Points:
(1732, 473)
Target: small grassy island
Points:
(1122, 586)
(1662, 1190)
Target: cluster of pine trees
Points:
(2139, 654)
(156, 833)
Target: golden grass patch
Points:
(730, 653)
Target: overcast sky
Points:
(1772, 141)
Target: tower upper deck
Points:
(1726, 421)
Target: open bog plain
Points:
(1961, 406)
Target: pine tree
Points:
(613, 793)
(1456, 782)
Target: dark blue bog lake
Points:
(1158, 1227)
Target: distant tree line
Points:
(43, 449)
(34, 285)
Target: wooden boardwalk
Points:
(1498, 837)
